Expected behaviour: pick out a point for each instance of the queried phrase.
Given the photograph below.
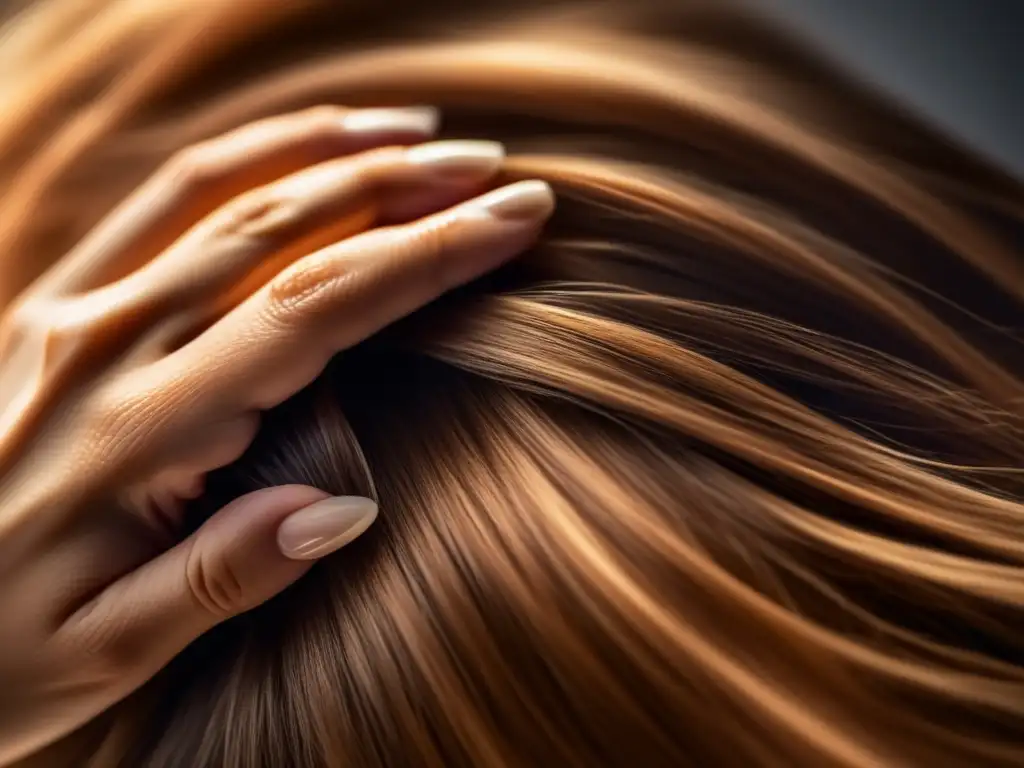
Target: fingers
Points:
(209, 174)
(281, 338)
(241, 557)
(242, 245)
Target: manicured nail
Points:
(324, 527)
(525, 200)
(393, 120)
(458, 158)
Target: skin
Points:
(143, 359)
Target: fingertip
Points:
(491, 230)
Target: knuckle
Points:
(43, 326)
(213, 585)
(29, 314)
(292, 292)
(420, 253)
(190, 167)
(262, 214)
(21, 319)
(333, 276)
(107, 419)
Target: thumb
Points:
(242, 556)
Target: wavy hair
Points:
(725, 472)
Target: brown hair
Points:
(725, 472)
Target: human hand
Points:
(143, 359)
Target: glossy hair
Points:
(725, 472)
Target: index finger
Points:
(282, 337)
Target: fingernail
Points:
(525, 200)
(324, 527)
(458, 158)
(392, 120)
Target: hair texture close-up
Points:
(726, 471)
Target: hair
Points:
(726, 471)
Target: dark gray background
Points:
(960, 62)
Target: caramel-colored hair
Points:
(725, 472)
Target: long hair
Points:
(725, 472)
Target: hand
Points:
(143, 359)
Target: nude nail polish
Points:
(458, 158)
(523, 201)
(423, 120)
(325, 526)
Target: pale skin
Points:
(143, 360)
